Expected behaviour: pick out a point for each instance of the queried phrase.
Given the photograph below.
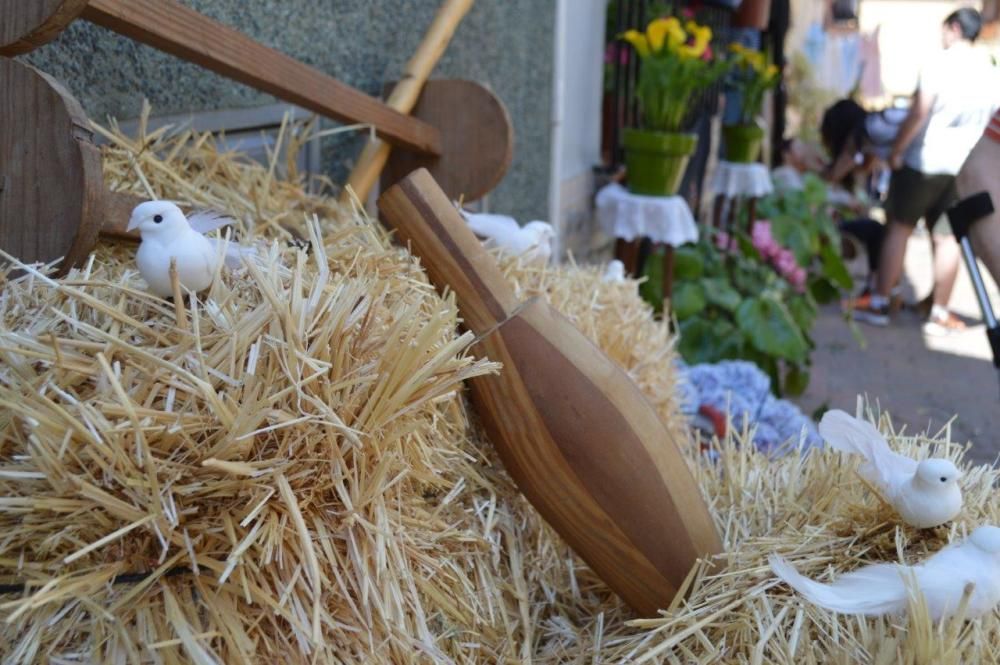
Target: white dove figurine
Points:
(615, 272)
(925, 494)
(167, 234)
(881, 588)
(533, 240)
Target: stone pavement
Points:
(921, 380)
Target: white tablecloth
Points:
(663, 219)
(732, 180)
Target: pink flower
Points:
(762, 229)
(785, 262)
(707, 55)
(763, 241)
(687, 13)
(616, 51)
(797, 278)
(722, 240)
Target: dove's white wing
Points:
(234, 252)
(848, 434)
(499, 227)
(872, 590)
(205, 221)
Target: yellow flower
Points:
(637, 40)
(676, 37)
(702, 36)
(736, 47)
(657, 31)
(772, 71)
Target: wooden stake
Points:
(404, 96)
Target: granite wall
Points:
(504, 44)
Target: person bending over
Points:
(956, 94)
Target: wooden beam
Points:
(173, 28)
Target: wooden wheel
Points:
(477, 140)
(27, 24)
(51, 185)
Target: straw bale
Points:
(285, 469)
(281, 468)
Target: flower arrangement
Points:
(675, 62)
(753, 76)
(755, 295)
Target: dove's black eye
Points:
(943, 479)
(157, 218)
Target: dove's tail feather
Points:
(491, 226)
(873, 590)
(234, 252)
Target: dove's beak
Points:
(133, 224)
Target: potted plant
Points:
(752, 77)
(675, 63)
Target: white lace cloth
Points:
(663, 219)
(732, 180)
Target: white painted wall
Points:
(576, 111)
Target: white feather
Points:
(533, 240)
(234, 252)
(884, 588)
(487, 225)
(872, 590)
(615, 272)
(206, 221)
(859, 437)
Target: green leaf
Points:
(803, 310)
(651, 289)
(834, 268)
(704, 341)
(719, 292)
(688, 262)
(822, 290)
(771, 329)
(688, 299)
(796, 380)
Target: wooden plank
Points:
(181, 31)
(24, 26)
(573, 430)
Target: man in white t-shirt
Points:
(955, 97)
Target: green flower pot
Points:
(655, 161)
(742, 142)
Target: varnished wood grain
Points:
(52, 185)
(425, 218)
(27, 24)
(477, 140)
(585, 447)
(176, 29)
(575, 433)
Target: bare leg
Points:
(947, 258)
(890, 265)
(977, 175)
